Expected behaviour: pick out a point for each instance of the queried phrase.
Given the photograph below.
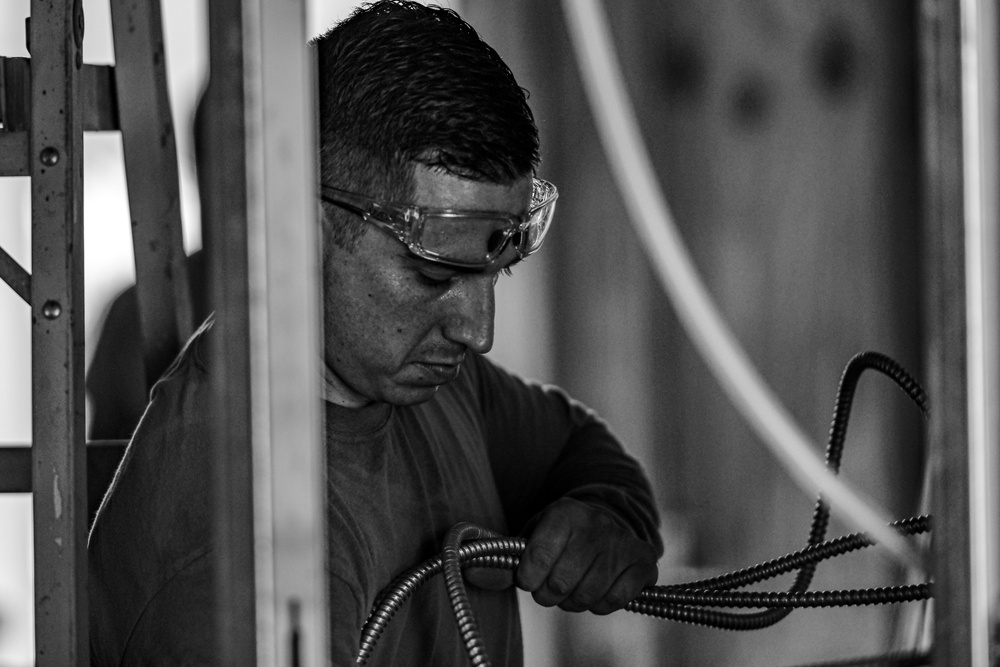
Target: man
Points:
(428, 153)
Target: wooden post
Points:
(261, 238)
(151, 172)
(224, 231)
(289, 457)
(944, 322)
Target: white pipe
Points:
(649, 213)
(979, 174)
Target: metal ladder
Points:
(47, 101)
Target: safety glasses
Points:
(464, 239)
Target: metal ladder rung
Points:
(13, 153)
(13, 273)
(98, 96)
(99, 109)
(15, 462)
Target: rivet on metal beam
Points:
(49, 156)
(51, 310)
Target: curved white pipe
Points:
(653, 221)
(981, 205)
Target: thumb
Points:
(490, 578)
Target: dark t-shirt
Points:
(489, 449)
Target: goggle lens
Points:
(464, 239)
(536, 228)
(478, 240)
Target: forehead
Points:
(438, 189)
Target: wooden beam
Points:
(261, 240)
(289, 457)
(224, 231)
(151, 173)
(99, 98)
(980, 31)
(944, 314)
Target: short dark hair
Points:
(401, 84)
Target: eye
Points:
(495, 241)
(431, 274)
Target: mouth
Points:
(439, 372)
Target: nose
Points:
(471, 308)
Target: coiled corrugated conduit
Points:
(694, 602)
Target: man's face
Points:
(397, 327)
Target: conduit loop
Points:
(695, 602)
(691, 603)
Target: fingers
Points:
(581, 559)
(613, 579)
(626, 588)
(489, 578)
(543, 551)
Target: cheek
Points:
(373, 317)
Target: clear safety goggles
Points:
(465, 239)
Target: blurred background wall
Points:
(784, 135)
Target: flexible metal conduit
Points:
(692, 602)
(652, 219)
(685, 603)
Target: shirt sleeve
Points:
(177, 626)
(544, 445)
(345, 621)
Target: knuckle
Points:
(582, 601)
(559, 585)
(544, 598)
(540, 556)
(605, 522)
(526, 579)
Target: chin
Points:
(411, 395)
(417, 384)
